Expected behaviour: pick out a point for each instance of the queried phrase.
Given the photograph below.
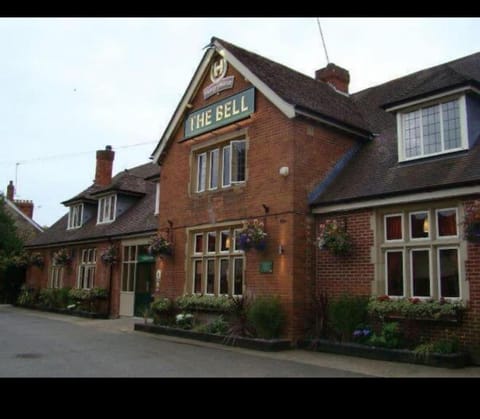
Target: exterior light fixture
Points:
(283, 171)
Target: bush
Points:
(267, 316)
(390, 336)
(204, 302)
(28, 296)
(163, 311)
(346, 313)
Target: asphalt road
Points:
(35, 344)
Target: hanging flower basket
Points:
(37, 259)
(159, 246)
(252, 236)
(472, 232)
(109, 256)
(62, 257)
(333, 236)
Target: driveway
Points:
(36, 344)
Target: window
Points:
(157, 199)
(75, 216)
(221, 167)
(424, 263)
(129, 264)
(56, 276)
(217, 268)
(433, 129)
(86, 269)
(107, 207)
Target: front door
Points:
(144, 284)
(127, 289)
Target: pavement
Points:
(345, 363)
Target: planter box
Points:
(250, 343)
(455, 360)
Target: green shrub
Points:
(163, 311)
(28, 296)
(346, 313)
(218, 327)
(390, 336)
(267, 316)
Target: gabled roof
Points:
(20, 215)
(138, 219)
(375, 172)
(292, 92)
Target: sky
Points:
(71, 86)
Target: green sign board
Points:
(220, 113)
(266, 267)
(145, 258)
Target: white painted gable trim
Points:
(14, 207)
(287, 108)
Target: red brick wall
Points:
(274, 141)
(351, 274)
(38, 277)
(354, 275)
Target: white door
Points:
(127, 288)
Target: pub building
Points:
(395, 165)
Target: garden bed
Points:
(454, 360)
(242, 342)
(78, 313)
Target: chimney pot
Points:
(334, 75)
(103, 170)
(10, 191)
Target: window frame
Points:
(385, 228)
(402, 251)
(459, 267)
(437, 224)
(430, 272)
(103, 215)
(201, 186)
(87, 267)
(429, 237)
(71, 216)
(464, 144)
(157, 199)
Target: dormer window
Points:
(432, 129)
(75, 216)
(107, 207)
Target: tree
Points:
(11, 276)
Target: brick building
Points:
(119, 213)
(395, 164)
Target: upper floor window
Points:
(432, 130)
(107, 207)
(221, 167)
(75, 216)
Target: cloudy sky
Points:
(70, 86)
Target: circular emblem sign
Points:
(218, 70)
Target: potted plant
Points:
(252, 235)
(333, 236)
(159, 246)
(471, 225)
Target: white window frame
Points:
(430, 273)
(201, 172)
(219, 275)
(410, 225)
(459, 265)
(194, 260)
(88, 262)
(402, 251)
(228, 239)
(195, 244)
(205, 274)
(437, 225)
(463, 128)
(127, 283)
(212, 165)
(56, 276)
(236, 182)
(227, 166)
(157, 199)
(385, 227)
(71, 217)
(207, 236)
(233, 275)
(103, 216)
(235, 233)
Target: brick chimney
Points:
(10, 191)
(335, 75)
(25, 206)
(103, 170)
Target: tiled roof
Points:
(139, 218)
(300, 90)
(375, 170)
